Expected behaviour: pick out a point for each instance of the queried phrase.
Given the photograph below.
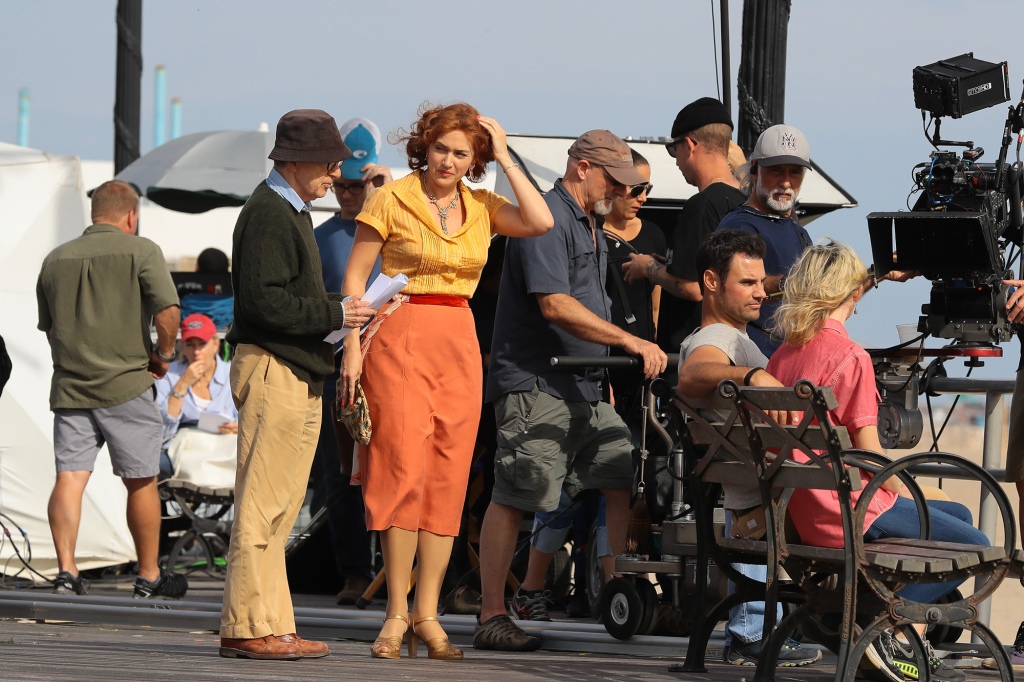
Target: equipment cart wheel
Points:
(622, 608)
(649, 597)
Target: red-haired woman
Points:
(422, 371)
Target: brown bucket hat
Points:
(606, 149)
(309, 136)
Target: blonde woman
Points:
(822, 291)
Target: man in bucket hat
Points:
(282, 314)
(552, 301)
(777, 166)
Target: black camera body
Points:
(966, 212)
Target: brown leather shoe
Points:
(309, 648)
(264, 648)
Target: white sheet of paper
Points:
(210, 421)
(382, 290)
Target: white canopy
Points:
(43, 199)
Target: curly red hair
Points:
(436, 121)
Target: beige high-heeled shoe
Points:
(391, 647)
(439, 648)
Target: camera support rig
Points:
(956, 235)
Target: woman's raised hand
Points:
(498, 142)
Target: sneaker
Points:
(66, 583)
(903, 656)
(501, 634)
(170, 585)
(792, 655)
(1016, 655)
(878, 663)
(530, 605)
(355, 586)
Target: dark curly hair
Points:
(436, 121)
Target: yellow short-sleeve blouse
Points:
(414, 244)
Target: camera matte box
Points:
(960, 85)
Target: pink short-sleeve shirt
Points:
(832, 359)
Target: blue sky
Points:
(556, 68)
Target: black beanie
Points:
(698, 114)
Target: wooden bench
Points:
(729, 437)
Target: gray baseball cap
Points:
(782, 144)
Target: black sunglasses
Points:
(670, 147)
(643, 188)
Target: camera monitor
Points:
(940, 245)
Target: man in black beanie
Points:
(701, 135)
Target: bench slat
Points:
(772, 440)
(789, 475)
(953, 550)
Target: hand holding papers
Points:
(210, 422)
(380, 292)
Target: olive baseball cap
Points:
(606, 149)
(782, 144)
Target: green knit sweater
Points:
(280, 301)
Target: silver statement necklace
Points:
(443, 212)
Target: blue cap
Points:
(362, 136)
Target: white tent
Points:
(43, 199)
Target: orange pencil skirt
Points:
(423, 381)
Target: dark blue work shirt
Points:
(565, 260)
(785, 239)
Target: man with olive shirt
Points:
(552, 425)
(282, 314)
(97, 296)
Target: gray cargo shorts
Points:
(132, 432)
(544, 441)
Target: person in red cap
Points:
(282, 312)
(197, 382)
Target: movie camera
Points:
(966, 216)
(967, 213)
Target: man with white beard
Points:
(777, 166)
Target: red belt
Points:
(439, 299)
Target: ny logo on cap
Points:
(788, 141)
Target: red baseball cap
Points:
(198, 326)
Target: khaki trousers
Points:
(278, 427)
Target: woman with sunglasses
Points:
(822, 291)
(634, 305)
(422, 371)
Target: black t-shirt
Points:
(635, 297)
(701, 215)
(631, 310)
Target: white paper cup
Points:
(907, 332)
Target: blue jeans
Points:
(950, 522)
(550, 538)
(746, 620)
